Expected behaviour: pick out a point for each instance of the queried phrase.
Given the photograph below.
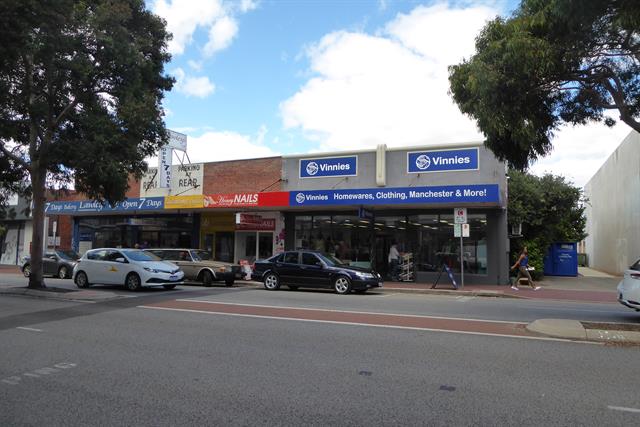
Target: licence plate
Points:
(380, 284)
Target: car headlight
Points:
(362, 275)
(151, 270)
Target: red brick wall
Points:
(237, 176)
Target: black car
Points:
(58, 263)
(311, 269)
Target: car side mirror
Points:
(121, 260)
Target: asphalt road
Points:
(117, 363)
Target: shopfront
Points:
(357, 205)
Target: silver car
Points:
(198, 265)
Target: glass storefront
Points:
(167, 231)
(427, 237)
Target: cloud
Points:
(185, 17)
(221, 34)
(199, 87)
(226, 145)
(390, 87)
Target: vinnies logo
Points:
(312, 168)
(300, 198)
(423, 162)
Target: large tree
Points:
(552, 62)
(81, 85)
(549, 208)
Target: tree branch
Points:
(13, 157)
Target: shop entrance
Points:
(252, 245)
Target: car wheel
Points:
(132, 282)
(82, 281)
(271, 282)
(229, 282)
(63, 272)
(26, 270)
(342, 285)
(361, 291)
(169, 287)
(207, 278)
(293, 288)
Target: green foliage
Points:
(81, 85)
(550, 210)
(552, 62)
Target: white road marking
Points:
(350, 312)
(24, 328)
(16, 379)
(622, 408)
(335, 322)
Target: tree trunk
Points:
(36, 279)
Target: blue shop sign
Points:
(443, 160)
(484, 193)
(329, 166)
(83, 206)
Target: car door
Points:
(289, 269)
(114, 272)
(312, 271)
(93, 265)
(50, 263)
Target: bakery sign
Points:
(254, 222)
(246, 200)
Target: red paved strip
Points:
(395, 320)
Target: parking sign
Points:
(460, 215)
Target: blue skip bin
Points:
(562, 260)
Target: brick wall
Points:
(238, 176)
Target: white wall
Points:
(613, 210)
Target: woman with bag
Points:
(523, 264)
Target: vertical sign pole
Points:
(461, 262)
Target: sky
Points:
(257, 78)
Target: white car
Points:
(629, 287)
(132, 268)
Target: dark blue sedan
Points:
(311, 269)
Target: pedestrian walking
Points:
(394, 261)
(522, 264)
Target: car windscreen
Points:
(68, 255)
(136, 255)
(330, 260)
(201, 256)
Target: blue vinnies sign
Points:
(443, 160)
(134, 204)
(484, 193)
(329, 166)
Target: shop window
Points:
(303, 232)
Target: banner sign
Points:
(164, 167)
(177, 140)
(329, 167)
(443, 160)
(82, 206)
(184, 202)
(243, 200)
(254, 222)
(186, 180)
(487, 193)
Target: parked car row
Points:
(629, 287)
(136, 268)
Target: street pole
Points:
(461, 259)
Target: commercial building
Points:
(352, 204)
(613, 210)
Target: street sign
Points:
(457, 230)
(465, 230)
(460, 215)
(55, 227)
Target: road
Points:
(131, 360)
